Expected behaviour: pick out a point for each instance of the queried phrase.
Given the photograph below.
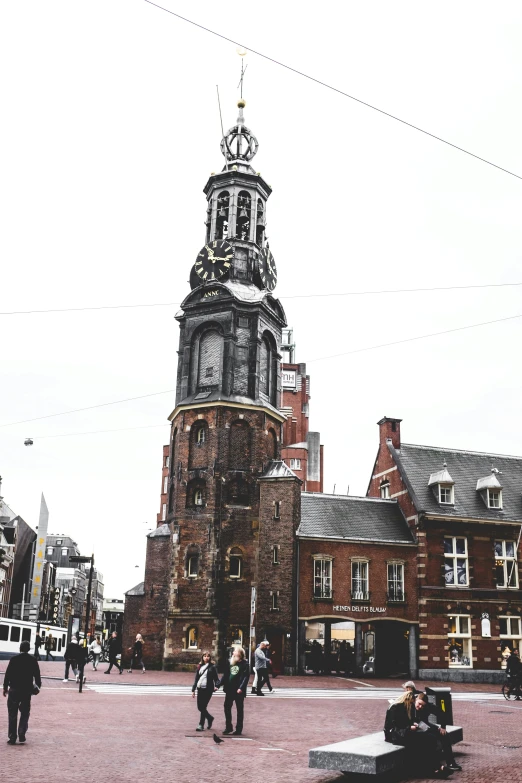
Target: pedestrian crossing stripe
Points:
(281, 693)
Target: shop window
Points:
(455, 562)
(396, 582)
(322, 577)
(360, 583)
(459, 641)
(235, 563)
(510, 636)
(506, 566)
(384, 490)
(192, 638)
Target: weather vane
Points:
(242, 52)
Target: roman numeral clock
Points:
(214, 260)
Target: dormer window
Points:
(443, 486)
(494, 498)
(446, 493)
(490, 490)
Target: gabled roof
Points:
(162, 530)
(417, 463)
(138, 590)
(440, 477)
(353, 518)
(277, 469)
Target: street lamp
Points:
(82, 559)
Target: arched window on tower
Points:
(268, 369)
(238, 492)
(260, 222)
(244, 208)
(223, 209)
(192, 638)
(240, 446)
(192, 556)
(271, 445)
(196, 494)
(235, 563)
(210, 359)
(198, 451)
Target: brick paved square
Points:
(136, 736)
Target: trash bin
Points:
(440, 707)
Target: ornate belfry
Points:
(221, 568)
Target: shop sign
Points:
(368, 609)
(289, 379)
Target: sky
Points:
(110, 129)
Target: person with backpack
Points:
(96, 649)
(205, 683)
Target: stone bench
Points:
(370, 754)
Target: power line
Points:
(292, 296)
(319, 359)
(98, 432)
(412, 339)
(88, 408)
(336, 89)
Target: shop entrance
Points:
(391, 648)
(329, 647)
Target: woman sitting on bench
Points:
(401, 728)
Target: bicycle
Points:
(511, 688)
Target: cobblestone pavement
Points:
(129, 738)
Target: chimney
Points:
(390, 429)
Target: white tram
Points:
(12, 632)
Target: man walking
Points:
(71, 658)
(260, 665)
(37, 645)
(114, 651)
(21, 675)
(48, 646)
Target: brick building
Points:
(466, 511)
(357, 564)
(231, 506)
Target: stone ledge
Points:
(492, 676)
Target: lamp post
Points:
(82, 559)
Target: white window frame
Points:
(275, 554)
(239, 559)
(192, 566)
(163, 512)
(167, 462)
(277, 509)
(360, 580)
(322, 576)
(275, 601)
(49, 550)
(192, 645)
(64, 551)
(509, 565)
(456, 557)
(201, 435)
(464, 639)
(447, 488)
(495, 494)
(198, 497)
(165, 484)
(384, 490)
(295, 464)
(514, 638)
(396, 581)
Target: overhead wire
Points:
(336, 89)
(291, 296)
(318, 359)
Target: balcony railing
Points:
(396, 597)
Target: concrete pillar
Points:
(301, 630)
(358, 648)
(412, 640)
(327, 646)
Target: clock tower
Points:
(221, 564)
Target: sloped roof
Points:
(138, 590)
(162, 530)
(278, 469)
(417, 463)
(354, 518)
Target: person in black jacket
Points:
(235, 682)
(205, 683)
(82, 656)
(71, 658)
(137, 653)
(401, 728)
(20, 678)
(114, 651)
(444, 746)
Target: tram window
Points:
(26, 634)
(15, 633)
(4, 633)
(63, 639)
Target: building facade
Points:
(210, 577)
(465, 509)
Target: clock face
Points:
(214, 260)
(267, 269)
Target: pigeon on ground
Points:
(217, 739)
